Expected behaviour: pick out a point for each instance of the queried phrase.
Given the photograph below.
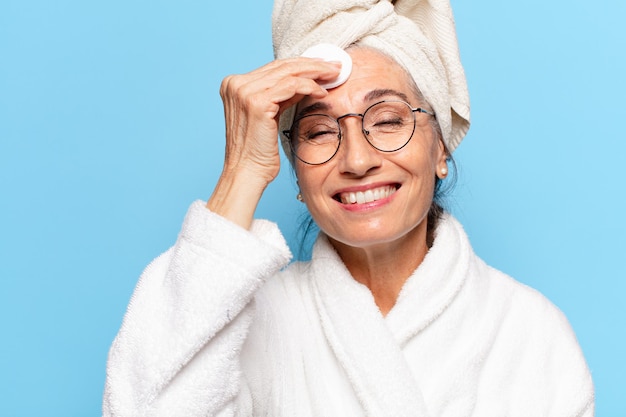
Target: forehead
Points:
(368, 59)
(372, 73)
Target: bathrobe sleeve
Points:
(177, 352)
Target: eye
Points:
(320, 133)
(387, 121)
(318, 130)
(391, 120)
(321, 138)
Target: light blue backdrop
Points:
(111, 124)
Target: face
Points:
(393, 191)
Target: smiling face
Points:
(363, 197)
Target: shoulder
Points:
(525, 308)
(525, 343)
(498, 293)
(286, 289)
(514, 302)
(535, 341)
(285, 305)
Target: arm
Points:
(177, 351)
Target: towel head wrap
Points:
(419, 34)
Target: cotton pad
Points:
(329, 52)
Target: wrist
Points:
(237, 195)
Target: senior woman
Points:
(394, 315)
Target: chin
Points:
(366, 237)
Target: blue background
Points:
(111, 125)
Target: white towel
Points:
(419, 34)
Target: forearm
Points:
(236, 196)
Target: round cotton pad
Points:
(330, 52)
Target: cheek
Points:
(433, 155)
(302, 177)
(310, 179)
(422, 158)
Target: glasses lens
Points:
(315, 138)
(389, 125)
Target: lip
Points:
(363, 189)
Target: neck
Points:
(385, 267)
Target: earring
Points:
(299, 197)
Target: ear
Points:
(442, 160)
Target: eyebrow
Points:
(370, 96)
(315, 107)
(382, 92)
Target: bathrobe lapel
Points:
(361, 340)
(434, 285)
(370, 346)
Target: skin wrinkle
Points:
(370, 96)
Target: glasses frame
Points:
(366, 133)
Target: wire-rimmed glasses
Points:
(387, 125)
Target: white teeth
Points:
(376, 194)
(367, 196)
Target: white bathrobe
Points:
(216, 328)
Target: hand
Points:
(253, 103)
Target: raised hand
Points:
(253, 103)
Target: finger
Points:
(276, 73)
(312, 68)
(258, 96)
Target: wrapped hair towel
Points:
(419, 34)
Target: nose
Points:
(356, 156)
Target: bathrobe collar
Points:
(368, 345)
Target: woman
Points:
(394, 316)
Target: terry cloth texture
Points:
(419, 34)
(216, 328)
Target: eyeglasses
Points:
(387, 125)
